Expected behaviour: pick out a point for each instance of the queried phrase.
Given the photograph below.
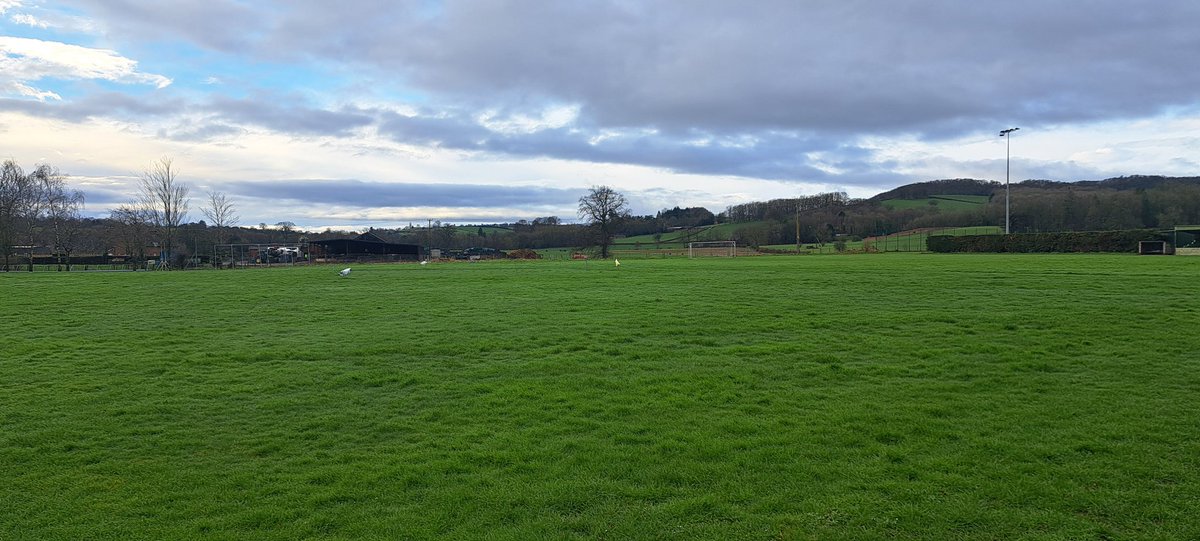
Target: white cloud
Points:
(549, 118)
(24, 60)
(20, 89)
(99, 148)
(29, 20)
(58, 21)
(6, 5)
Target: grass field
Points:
(894, 396)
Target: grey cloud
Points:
(842, 67)
(446, 130)
(97, 105)
(278, 114)
(96, 197)
(226, 25)
(223, 113)
(836, 66)
(200, 131)
(768, 155)
(793, 77)
(358, 193)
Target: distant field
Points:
(892, 396)
(488, 230)
(681, 237)
(556, 253)
(944, 202)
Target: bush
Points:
(1070, 241)
(523, 253)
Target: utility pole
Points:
(797, 227)
(1007, 134)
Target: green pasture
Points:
(555, 253)
(681, 237)
(889, 396)
(488, 230)
(943, 202)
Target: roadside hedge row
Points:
(1070, 241)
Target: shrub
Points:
(1069, 241)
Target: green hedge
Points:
(1070, 241)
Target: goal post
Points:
(712, 248)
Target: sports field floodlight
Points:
(345, 272)
(1007, 162)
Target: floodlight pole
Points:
(797, 227)
(1007, 134)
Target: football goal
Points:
(712, 248)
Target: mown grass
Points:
(897, 396)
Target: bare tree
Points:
(133, 224)
(287, 228)
(62, 212)
(167, 199)
(220, 211)
(28, 202)
(33, 207)
(603, 208)
(14, 188)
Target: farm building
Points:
(366, 245)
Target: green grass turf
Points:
(894, 396)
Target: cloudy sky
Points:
(383, 112)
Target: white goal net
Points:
(712, 248)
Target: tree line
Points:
(37, 208)
(1036, 206)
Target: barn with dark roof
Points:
(365, 246)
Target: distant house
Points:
(364, 246)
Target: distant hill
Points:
(1135, 182)
(969, 186)
(952, 186)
